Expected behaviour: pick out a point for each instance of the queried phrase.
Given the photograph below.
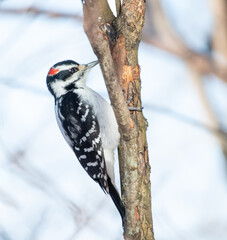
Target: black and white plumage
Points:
(87, 123)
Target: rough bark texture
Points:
(115, 42)
(135, 169)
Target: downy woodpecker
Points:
(87, 122)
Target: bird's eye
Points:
(74, 69)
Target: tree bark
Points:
(115, 41)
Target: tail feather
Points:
(116, 199)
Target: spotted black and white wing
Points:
(80, 128)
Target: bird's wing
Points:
(80, 128)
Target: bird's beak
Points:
(87, 66)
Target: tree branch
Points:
(159, 33)
(219, 36)
(204, 64)
(100, 44)
(198, 64)
(115, 42)
(39, 11)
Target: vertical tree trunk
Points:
(115, 41)
(133, 154)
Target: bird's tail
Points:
(116, 199)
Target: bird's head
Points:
(66, 76)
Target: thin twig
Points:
(186, 119)
(39, 11)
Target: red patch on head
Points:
(53, 71)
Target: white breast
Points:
(107, 122)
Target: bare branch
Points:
(36, 178)
(219, 38)
(101, 47)
(87, 220)
(38, 11)
(159, 33)
(198, 64)
(186, 119)
(204, 64)
(209, 111)
(116, 44)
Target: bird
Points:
(87, 122)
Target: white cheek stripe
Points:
(59, 85)
(64, 67)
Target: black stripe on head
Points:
(63, 75)
(66, 62)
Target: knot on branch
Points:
(109, 30)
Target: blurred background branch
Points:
(38, 11)
(159, 32)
